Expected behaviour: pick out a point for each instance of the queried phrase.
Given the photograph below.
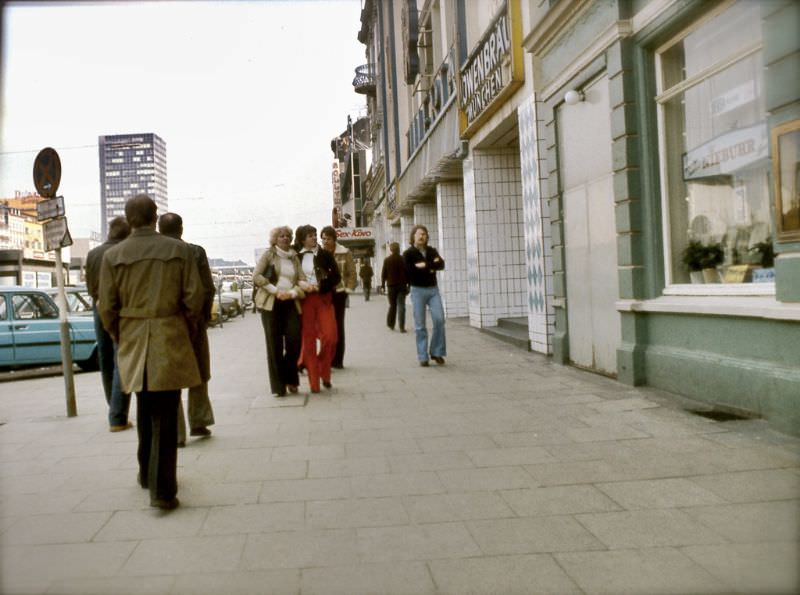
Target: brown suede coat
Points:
(151, 301)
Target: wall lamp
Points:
(573, 97)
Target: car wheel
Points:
(91, 364)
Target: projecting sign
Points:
(56, 234)
(354, 233)
(50, 208)
(47, 172)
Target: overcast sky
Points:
(246, 95)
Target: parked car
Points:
(230, 308)
(30, 331)
(241, 291)
(78, 299)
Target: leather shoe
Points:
(327, 383)
(201, 431)
(181, 443)
(292, 388)
(170, 504)
(439, 360)
(120, 428)
(424, 364)
(143, 484)
(402, 330)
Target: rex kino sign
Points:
(493, 70)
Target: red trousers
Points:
(319, 322)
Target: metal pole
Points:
(66, 343)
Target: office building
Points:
(131, 164)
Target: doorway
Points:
(590, 237)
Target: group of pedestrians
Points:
(153, 294)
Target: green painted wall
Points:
(741, 363)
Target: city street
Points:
(497, 473)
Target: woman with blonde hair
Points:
(279, 281)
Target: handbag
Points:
(271, 274)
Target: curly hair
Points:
(273, 234)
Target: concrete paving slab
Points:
(397, 484)
(293, 490)
(362, 512)
(547, 501)
(752, 522)
(185, 555)
(151, 523)
(486, 479)
(72, 527)
(659, 493)
(752, 486)
(254, 518)
(647, 528)
(263, 582)
(440, 508)
(420, 542)
(653, 571)
(751, 567)
(530, 574)
(397, 578)
(301, 549)
(532, 535)
(139, 585)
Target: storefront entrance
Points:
(590, 237)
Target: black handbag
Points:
(271, 274)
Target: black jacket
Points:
(394, 271)
(426, 276)
(325, 269)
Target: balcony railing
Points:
(364, 82)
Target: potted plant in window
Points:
(713, 256)
(767, 260)
(702, 261)
(693, 259)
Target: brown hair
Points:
(414, 231)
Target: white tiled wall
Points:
(452, 245)
(406, 223)
(425, 214)
(538, 252)
(493, 217)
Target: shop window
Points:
(714, 148)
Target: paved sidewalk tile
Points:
(185, 555)
(634, 572)
(647, 528)
(532, 535)
(421, 542)
(529, 574)
(300, 549)
(752, 522)
(751, 567)
(396, 578)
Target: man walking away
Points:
(201, 415)
(366, 279)
(347, 269)
(151, 300)
(118, 402)
(393, 275)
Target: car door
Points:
(6, 336)
(36, 329)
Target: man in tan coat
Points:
(151, 300)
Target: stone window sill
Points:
(741, 306)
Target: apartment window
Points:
(714, 149)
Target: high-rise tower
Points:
(131, 164)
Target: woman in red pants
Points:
(318, 318)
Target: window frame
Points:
(661, 98)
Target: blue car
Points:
(30, 331)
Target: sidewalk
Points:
(497, 473)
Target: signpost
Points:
(46, 178)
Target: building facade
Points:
(619, 175)
(131, 164)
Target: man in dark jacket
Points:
(118, 401)
(201, 415)
(393, 276)
(366, 273)
(422, 262)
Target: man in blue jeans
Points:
(422, 262)
(118, 401)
